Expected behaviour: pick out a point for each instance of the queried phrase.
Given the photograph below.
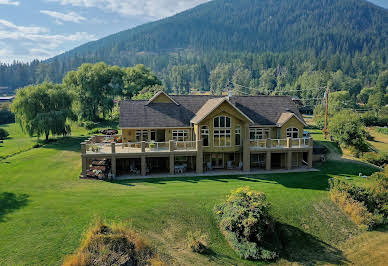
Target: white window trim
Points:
(205, 132)
(291, 131)
(180, 134)
(222, 135)
(237, 131)
(259, 132)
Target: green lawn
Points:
(45, 208)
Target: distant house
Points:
(177, 133)
(4, 99)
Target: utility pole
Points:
(326, 111)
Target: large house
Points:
(176, 133)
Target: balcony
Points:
(268, 144)
(108, 145)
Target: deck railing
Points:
(185, 145)
(280, 143)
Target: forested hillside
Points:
(269, 45)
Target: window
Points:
(222, 122)
(153, 135)
(237, 135)
(222, 133)
(205, 135)
(292, 132)
(141, 135)
(180, 135)
(258, 133)
(222, 138)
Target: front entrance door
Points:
(217, 160)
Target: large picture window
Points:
(222, 138)
(222, 132)
(180, 135)
(205, 136)
(292, 132)
(258, 133)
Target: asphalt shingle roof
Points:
(263, 110)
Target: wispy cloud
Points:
(64, 17)
(10, 3)
(28, 42)
(149, 8)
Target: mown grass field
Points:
(45, 208)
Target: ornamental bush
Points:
(3, 133)
(245, 220)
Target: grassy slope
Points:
(380, 141)
(17, 141)
(44, 209)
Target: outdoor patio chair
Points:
(230, 166)
(240, 166)
(209, 166)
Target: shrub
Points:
(245, 220)
(112, 245)
(6, 116)
(90, 125)
(373, 196)
(196, 242)
(379, 159)
(383, 130)
(356, 210)
(3, 133)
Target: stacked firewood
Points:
(99, 169)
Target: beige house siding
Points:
(293, 122)
(236, 119)
(162, 98)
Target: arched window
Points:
(292, 132)
(205, 136)
(222, 131)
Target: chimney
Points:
(230, 94)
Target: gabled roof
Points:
(210, 106)
(262, 110)
(161, 93)
(287, 116)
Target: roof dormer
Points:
(162, 97)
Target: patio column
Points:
(83, 147)
(113, 160)
(199, 158)
(246, 150)
(84, 166)
(172, 164)
(171, 145)
(113, 147)
(289, 160)
(268, 161)
(289, 142)
(143, 165)
(310, 158)
(143, 146)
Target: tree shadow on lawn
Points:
(10, 202)
(306, 249)
(302, 180)
(66, 144)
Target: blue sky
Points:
(40, 29)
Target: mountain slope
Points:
(257, 26)
(258, 35)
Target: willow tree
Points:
(43, 109)
(94, 87)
